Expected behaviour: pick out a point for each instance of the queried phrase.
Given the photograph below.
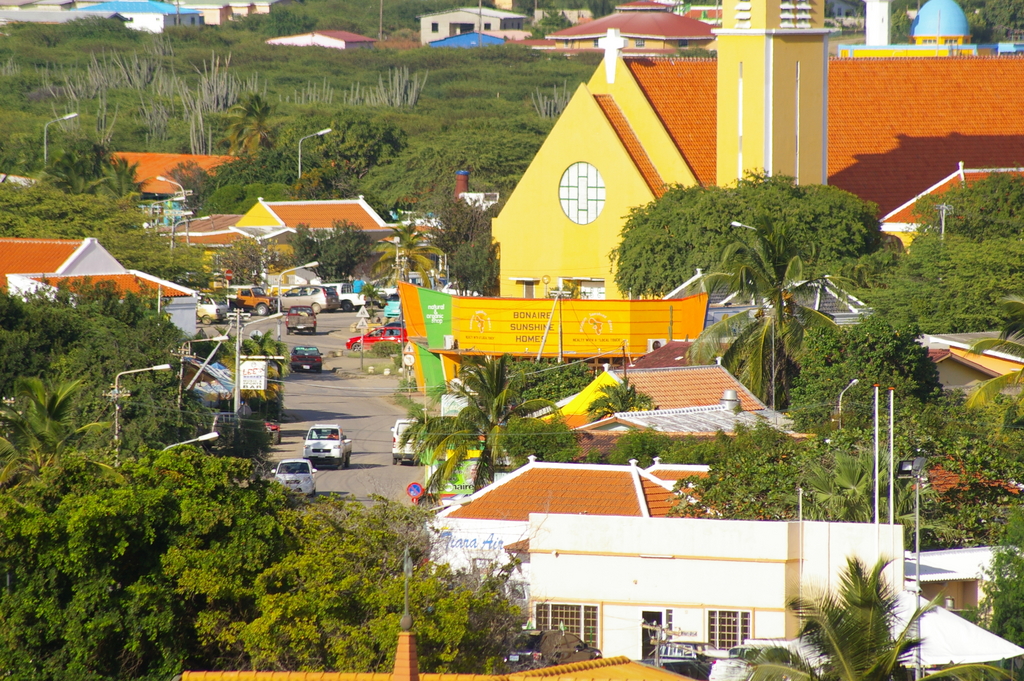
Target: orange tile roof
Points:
(682, 93)
(674, 474)
(659, 500)
(690, 386)
(897, 126)
(211, 223)
(152, 165)
(569, 488)
(124, 283)
(671, 354)
(633, 146)
(323, 214)
(30, 256)
(222, 238)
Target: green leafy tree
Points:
(546, 379)
(249, 126)
(618, 397)
(251, 259)
(1005, 583)
(762, 348)
(872, 352)
(120, 179)
(493, 394)
(238, 199)
(553, 20)
(406, 250)
(73, 174)
(1006, 19)
(641, 446)
(664, 242)
(1010, 342)
(340, 250)
(471, 254)
(950, 285)
(848, 634)
(40, 430)
(992, 207)
(547, 440)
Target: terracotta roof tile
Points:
(659, 500)
(633, 146)
(640, 24)
(21, 256)
(673, 474)
(551, 488)
(671, 354)
(122, 282)
(897, 126)
(211, 223)
(323, 214)
(596, 444)
(945, 481)
(682, 93)
(696, 386)
(153, 165)
(222, 238)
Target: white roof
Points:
(703, 419)
(947, 638)
(951, 565)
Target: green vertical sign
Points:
(437, 316)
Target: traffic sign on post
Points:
(363, 314)
(361, 325)
(409, 349)
(229, 275)
(415, 491)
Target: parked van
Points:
(402, 453)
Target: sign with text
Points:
(253, 375)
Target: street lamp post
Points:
(55, 120)
(280, 283)
(186, 215)
(914, 469)
(315, 134)
(841, 393)
(202, 438)
(117, 394)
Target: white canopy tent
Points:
(947, 638)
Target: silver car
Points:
(297, 475)
(320, 298)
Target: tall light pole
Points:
(185, 218)
(301, 139)
(280, 283)
(117, 394)
(914, 469)
(841, 393)
(205, 437)
(55, 120)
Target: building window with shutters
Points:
(575, 619)
(728, 628)
(487, 27)
(639, 42)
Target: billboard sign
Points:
(253, 375)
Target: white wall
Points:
(89, 258)
(465, 540)
(182, 311)
(626, 565)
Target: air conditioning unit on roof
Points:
(449, 343)
(655, 343)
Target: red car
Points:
(384, 333)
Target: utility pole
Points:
(380, 29)
(238, 360)
(560, 357)
(943, 208)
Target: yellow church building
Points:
(773, 101)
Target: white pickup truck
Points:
(326, 443)
(347, 298)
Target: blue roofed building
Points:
(148, 15)
(940, 22)
(468, 40)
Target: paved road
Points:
(358, 402)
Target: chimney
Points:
(730, 400)
(461, 183)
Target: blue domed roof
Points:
(940, 18)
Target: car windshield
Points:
(323, 434)
(293, 468)
(305, 351)
(257, 291)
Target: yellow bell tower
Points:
(772, 90)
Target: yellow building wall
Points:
(771, 105)
(535, 236)
(656, 141)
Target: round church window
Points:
(581, 193)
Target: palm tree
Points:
(41, 433)
(619, 397)
(406, 250)
(492, 390)
(73, 174)
(249, 125)
(761, 348)
(121, 179)
(853, 634)
(1010, 342)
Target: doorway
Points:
(649, 637)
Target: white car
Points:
(326, 442)
(210, 310)
(738, 666)
(297, 475)
(402, 453)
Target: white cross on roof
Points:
(612, 44)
